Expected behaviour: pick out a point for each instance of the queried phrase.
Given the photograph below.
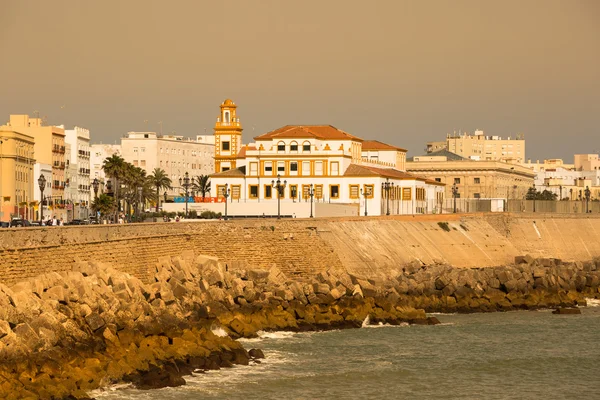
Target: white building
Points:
(176, 155)
(347, 174)
(78, 171)
(99, 153)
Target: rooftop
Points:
(323, 132)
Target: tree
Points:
(531, 193)
(201, 184)
(159, 180)
(104, 204)
(114, 166)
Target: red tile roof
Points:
(326, 132)
(377, 145)
(362, 170)
(242, 153)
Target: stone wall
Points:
(303, 247)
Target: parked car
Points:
(18, 222)
(78, 222)
(4, 224)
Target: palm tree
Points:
(103, 203)
(159, 180)
(114, 166)
(201, 184)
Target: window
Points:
(318, 191)
(334, 191)
(236, 190)
(280, 147)
(268, 167)
(318, 167)
(268, 191)
(253, 190)
(477, 181)
(223, 169)
(406, 194)
(354, 192)
(220, 190)
(457, 181)
(143, 149)
(477, 195)
(420, 193)
(305, 168)
(335, 168)
(293, 166)
(305, 191)
(306, 146)
(225, 146)
(438, 179)
(293, 191)
(253, 168)
(143, 163)
(135, 163)
(294, 146)
(135, 149)
(281, 167)
(370, 190)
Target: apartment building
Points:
(482, 147)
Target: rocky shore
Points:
(64, 335)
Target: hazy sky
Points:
(403, 72)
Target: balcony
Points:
(84, 171)
(56, 148)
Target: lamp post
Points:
(280, 188)
(387, 186)
(42, 185)
(454, 195)
(185, 183)
(96, 185)
(226, 193)
(365, 193)
(587, 199)
(311, 193)
(534, 196)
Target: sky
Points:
(403, 72)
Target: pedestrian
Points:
(61, 222)
(54, 221)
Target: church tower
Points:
(228, 137)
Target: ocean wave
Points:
(593, 302)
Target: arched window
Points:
(294, 146)
(306, 146)
(280, 147)
(226, 117)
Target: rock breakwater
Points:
(63, 335)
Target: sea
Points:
(509, 355)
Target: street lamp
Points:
(387, 186)
(96, 185)
(226, 192)
(454, 195)
(280, 188)
(42, 185)
(311, 193)
(185, 183)
(587, 198)
(560, 189)
(534, 196)
(366, 193)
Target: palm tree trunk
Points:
(157, 197)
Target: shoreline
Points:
(64, 335)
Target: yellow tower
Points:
(228, 137)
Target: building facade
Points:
(99, 153)
(474, 179)
(282, 168)
(49, 149)
(78, 178)
(176, 155)
(482, 147)
(16, 175)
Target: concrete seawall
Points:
(303, 247)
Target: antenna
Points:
(160, 123)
